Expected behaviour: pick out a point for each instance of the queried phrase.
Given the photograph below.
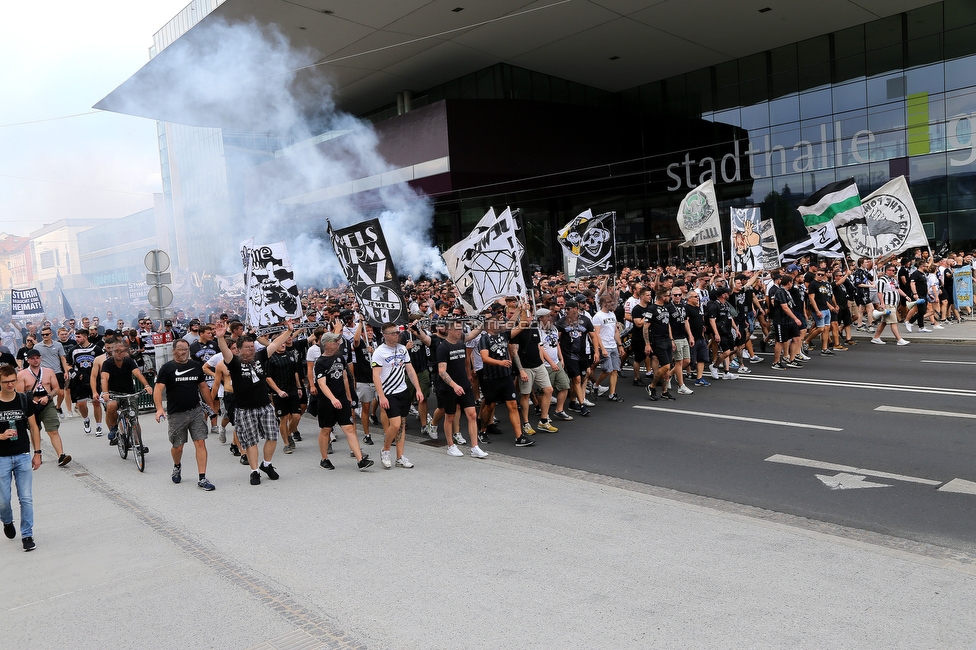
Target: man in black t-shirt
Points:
(724, 332)
(532, 374)
(335, 401)
(786, 323)
(201, 351)
(659, 343)
(638, 346)
(18, 462)
(496, 375)
(117, 375)
(185, 385)
(284, 379)
(454, 388)
(253, 413)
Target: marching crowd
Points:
(546, 359)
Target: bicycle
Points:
(130, 431)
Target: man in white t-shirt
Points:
(391, 371)
(605, 324)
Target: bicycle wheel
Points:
(123, 437)
(139, 449)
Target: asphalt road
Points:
(729, 459)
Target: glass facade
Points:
(896, 96)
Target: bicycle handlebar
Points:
(117, 396)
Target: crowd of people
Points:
(543, 359)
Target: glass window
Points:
(885, 59)
(850, 96)
(960, 12)
(785, 109)
(883, 32)
(886, 88)
(814, 76)
(540, 87)
(754, 117)
(699, 82)
(783, 59)
(960, 73)
(727, 97)
(730, 116)
(785, 83)
(849, 67)
(521, 84)
(929, 79)
(727, 74)
(923, 51)
(815, 103)
(814, 180)
(486, 83)
(753, 92)
(960, 42)
(752, 67)
(849, 42)
(813, 51)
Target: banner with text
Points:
(698, 216)
(25, 302)
(962, 285)
(368, 266)
(890, 223)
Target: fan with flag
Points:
(65, 305)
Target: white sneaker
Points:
(477, 453)
(938, 327)
(908, 326)
(452, 451)
(803, 356)
(684, 390)
(385, 459)
(714, 371)
(730, 375)
(903, 341)
(552, 400)
(744, 370)
(459, 439)
(587, 402)
(403, 462)
(332, 436)
(601, 391)
(755, 359)
(222, 435)
(924, 329)
(878, 342)
(431, 431)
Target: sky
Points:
(58, 58)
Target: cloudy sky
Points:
(58, 58)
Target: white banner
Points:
(271, 292)
(746, 240)
(890, 224)
(698, 216)
(770, 247)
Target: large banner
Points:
(746, 241)
(25, 302)
(823, 242)
(271, 291)
(591, 241)
(890, 223)
(698, 216)
(962, 286)
(487, 264)
(770, 247)
(138, 293)
(368, 266)
(232, 285)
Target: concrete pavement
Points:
(454, 553)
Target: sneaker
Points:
(177, 473)
(702, 382)
(222, 435)
(730, 376)
(60, 415)
(802, 357)
(477, 453)
(459, 439)
(374, 420)
(270, 471)
(367, 440)
(585, 411)
(755, 359)
(234, 450)
(908, 326)
(98, 431)
(365, 463)
(602, 390)
(743, 370)
(522, 441)
(296, 436)
(805, 347)
(684, 390)
(243, 459)
(255, 478)
(903, 341)
(841, 348)
(29, 544)
(652, 393)
(938, 327)
(527, 429)
(639, 382)
(493, 429)
(205, 484)
(712, 369)
(113, 434)
(332, 437)
(325, 463)
(454, 451)
(430, 430)
(87, 427)
(826, 353)
(63, 460)
(214, 430)
(573, 406)
(9, 530)
(562, 415)
(404, 462)
(924, 329)
(552, 400)
(794, 364)
(329, 450)
(484, 439)
(877, 341)
(734, 365)
(779, 365)
(668, 396)
(385, 459)
(537, 410)
(613, 397)
(289, 449)
(414, 412)
(588, 403)
(546, 425)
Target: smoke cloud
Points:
(245, 78)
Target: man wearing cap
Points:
(574, 331)
(40, 384)
(335, 401)
(532, 374)
(496, 375)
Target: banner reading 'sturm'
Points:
(368, 267)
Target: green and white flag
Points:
(698, 216)
(838, 202)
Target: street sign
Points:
(160, 296)
(157, 261)
(158, 278)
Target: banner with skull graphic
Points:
(487, 264)
(592, 241)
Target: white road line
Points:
(959, 485)
(740, 418)
(819, 464)
(960, 363)
(833, 383)
(946, 414)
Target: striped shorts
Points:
(254, 424)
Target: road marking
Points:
(819, 464)
(834, 383)
(844, 481)
(945, 414)
(740, 418)
(960, 363)
(959, 485)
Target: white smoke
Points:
(247, 78)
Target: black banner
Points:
(366, 262)
(25, 302)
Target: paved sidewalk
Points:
(959, 334)
(455, 553)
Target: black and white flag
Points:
(770, 247)
(368, 266)
(823, 242)
(487, 264)
(591, 240)
(271, 292)
(25, 302)
(746, 240)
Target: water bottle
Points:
(12, 425)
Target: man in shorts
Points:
(526, 352)
(185, 386)
(41, 386)
(552, 358)
(391, 371)
(335, 401)
(454, 388)
(82, 361)
(658, 342)
(605, 322)
(496, 375)
(574, 331)
(223, 392)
